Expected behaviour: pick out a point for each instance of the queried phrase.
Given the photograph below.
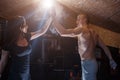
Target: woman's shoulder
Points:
(28, 36)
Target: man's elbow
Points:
(61, 34)
(64, 35)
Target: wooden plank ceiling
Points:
(105, 13)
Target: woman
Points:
(19, 48)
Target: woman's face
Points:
(24, 27)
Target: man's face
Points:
(81, 19)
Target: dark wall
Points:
(54, 57)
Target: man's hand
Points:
(53, 12)
(113, 64)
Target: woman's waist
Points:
(21, 52)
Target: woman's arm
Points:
(3, 61)
(41, 31)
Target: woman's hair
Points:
(13, 31)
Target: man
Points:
(87, 41)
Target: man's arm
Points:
(62, 31)
(107, 52)
(41, 31)
(103, 46)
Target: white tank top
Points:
(86, 42)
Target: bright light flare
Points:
(48, 3)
